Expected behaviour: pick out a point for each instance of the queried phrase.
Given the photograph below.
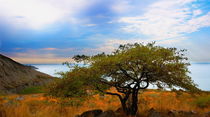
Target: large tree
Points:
(133, 67)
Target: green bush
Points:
(2, 93)
(203, 101)
(66, 88)
(71, 84)
(32, 90)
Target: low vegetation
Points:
(203, 101)
(32, 90)
(38, 105)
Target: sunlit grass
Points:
(38, 105)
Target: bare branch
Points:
(126, 73)
(104, 82)
(109, 93)
(134, 71)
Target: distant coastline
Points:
(200, 62)
(199, 72)
(62, 64)
(45, 64)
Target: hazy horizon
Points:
(199, 72)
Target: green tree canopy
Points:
(130, 68)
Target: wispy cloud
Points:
(121, 6)
(167, 19)
(109, 45)
(40, 56)
(49, 49)
(90, 25)
(42, 60)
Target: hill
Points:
(15, 76)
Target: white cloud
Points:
(90, 25)
(109, 45)
(121, 6)
(166, 42)
(38, 13)
(197, 12)
(167, 19)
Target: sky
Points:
(52, 31)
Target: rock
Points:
(77, 116)
(193, 113)
(207, 114)
(19, 98)
(108, 113)
(92, 113)
(172, 113)
(2, 113)
(188, 113)
(154, 113)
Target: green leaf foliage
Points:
(130, 67)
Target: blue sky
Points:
(52, 31)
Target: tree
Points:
(74, 83)
(133, 67)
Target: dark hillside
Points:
(15, 76)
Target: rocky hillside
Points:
(15, 76)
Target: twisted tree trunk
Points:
(130, 105)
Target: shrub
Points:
(203, 102)
(32, 90)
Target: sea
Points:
(200, 72)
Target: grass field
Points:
(38, 105)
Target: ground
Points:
(39, 105)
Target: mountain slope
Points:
(15, 76)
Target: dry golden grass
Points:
(38, 105)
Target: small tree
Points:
(133, 67)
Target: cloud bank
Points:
(168, 19)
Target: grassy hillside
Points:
(38, 105)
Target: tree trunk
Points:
(124, 106)
(130, 107)
(134, 106)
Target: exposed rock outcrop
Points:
(173, 113)
(154, 113)
(91, 113)
(108, 113)
(151, 113)
(97, 113)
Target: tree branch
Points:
(134, 71)
(126, 73)
(109, 93)
(104, 82)
(146, 80)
